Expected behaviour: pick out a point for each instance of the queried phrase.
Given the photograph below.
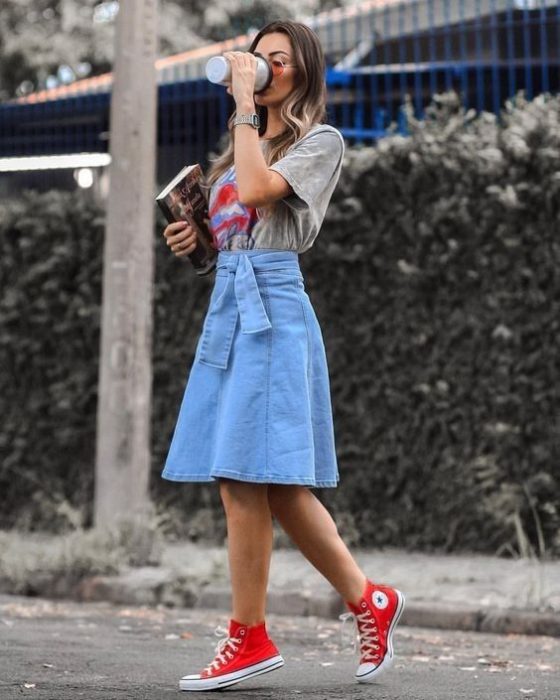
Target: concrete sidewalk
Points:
(464, 592)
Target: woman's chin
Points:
(265, 99)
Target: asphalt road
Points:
(53, 650)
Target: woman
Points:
(256, 414)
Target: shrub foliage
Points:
(435, 281)
(442, 324)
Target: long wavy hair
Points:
(304, 106)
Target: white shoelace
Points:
(367, 635)
(225, 649)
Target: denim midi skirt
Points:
(257, 404)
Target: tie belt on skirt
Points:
(236, 294)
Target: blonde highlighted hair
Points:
(304, 106)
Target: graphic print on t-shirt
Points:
(231, 222)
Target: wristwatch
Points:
(252, 119)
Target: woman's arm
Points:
(257, 186)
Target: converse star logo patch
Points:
(379, 599)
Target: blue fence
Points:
(377, 54)
(485, 50)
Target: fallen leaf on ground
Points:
(142, 613)
(36, 609)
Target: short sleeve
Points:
(310, 166)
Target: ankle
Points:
(357, 591)
(249, 621)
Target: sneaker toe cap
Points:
(192, 677)
(366, 669)
(369, 671)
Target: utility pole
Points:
(122, 465)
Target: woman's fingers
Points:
(243, 72)
(185, 246)
(242, 61)
(238, 55)
(181, 252)
(181, 238)
(177, 232)
(175, 227)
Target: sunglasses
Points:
(277, 65)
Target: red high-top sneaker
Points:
(245, 653)
(377, 615)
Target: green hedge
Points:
(50, 275)
(443, 327)
(435, 281)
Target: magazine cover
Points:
(184, 200)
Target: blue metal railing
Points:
(486, 50)
(378, 55)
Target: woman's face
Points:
(277, 46)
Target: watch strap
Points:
(252, 119)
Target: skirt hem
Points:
(264, 479)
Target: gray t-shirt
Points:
(312, 167)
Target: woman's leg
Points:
(311, 527)
(247, 651)
(249, 528)
(376, 607)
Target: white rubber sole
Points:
(389, 656)
(198, 683)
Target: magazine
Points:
(183, 199)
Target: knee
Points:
(239, 497)
(282, 498)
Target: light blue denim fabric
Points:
(257, 403)
(241, 296)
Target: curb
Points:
(159, 586)
(149, 586)
(497, 621)
(415, 614)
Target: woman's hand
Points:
(243, 76)
(181, 238)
